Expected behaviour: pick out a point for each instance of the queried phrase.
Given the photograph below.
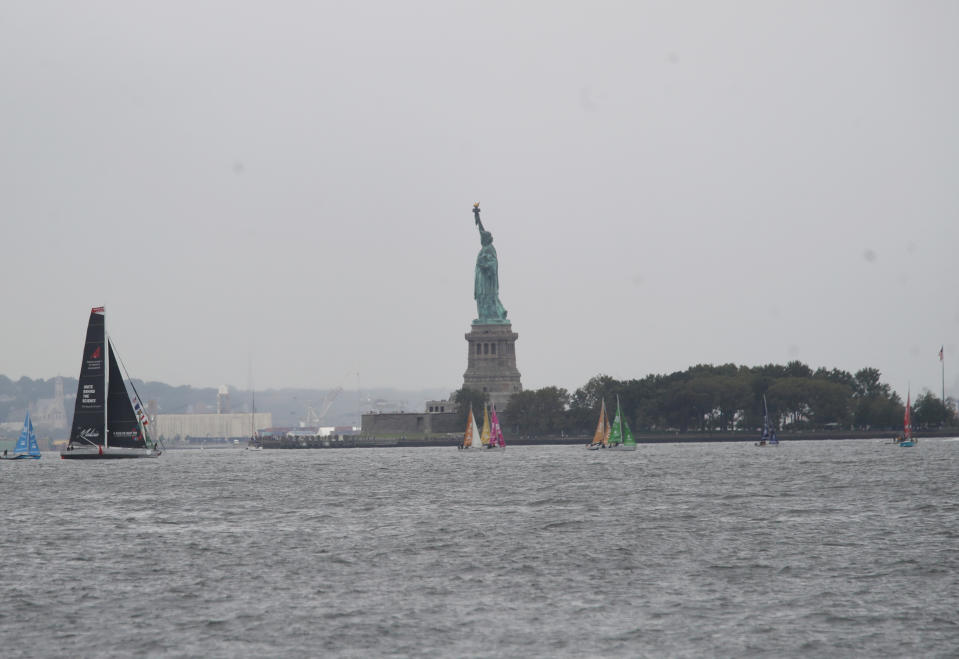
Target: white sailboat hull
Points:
(108, 453)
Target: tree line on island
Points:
(726, 398)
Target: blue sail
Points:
(27, 442)
(769, 433)
(34, 447)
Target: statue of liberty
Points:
(486, 283)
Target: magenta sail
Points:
(496, 433)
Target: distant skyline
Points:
(280, 195)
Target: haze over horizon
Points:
(280, 195)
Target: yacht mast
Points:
(106, 381)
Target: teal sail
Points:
(27, 446)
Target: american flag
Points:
(940, 352)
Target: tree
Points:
(867, 384)
(789, 401)
(585, 402)
(465, 397)
(733, 396)
(703, 396)
(538, 412)
(831, 402)
(676, 405)
(796, 369)
(718, 399)
(836, 375)
(878, 412)
(597, 389)
(930, 412)
(875, 404)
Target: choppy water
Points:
(810, 549)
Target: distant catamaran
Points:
(106, 424)
(26, 448)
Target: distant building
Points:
(427, 423)
(223, 400)
(210, 426)
(50, 413)
(307, 431)
(440, 406)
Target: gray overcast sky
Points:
(285, 187)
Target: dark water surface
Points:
(811, 549)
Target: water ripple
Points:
(819, 548)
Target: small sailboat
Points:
(601, 436)
(496, 441)
(472, 431)
(106, 423)
(768, 437)
(254, 443)
(907, 438)
(26, 448)
(620, 436)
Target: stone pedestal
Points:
(491, 362)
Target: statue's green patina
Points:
(486, 283)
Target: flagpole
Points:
(942, 364)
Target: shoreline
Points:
(580, 440)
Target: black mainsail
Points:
(122, 422)
(88, 412)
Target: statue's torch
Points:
(476, 212)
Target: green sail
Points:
(620, 432)
(628, 439)
(616, 430)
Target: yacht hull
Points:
(90, 453)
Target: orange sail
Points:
(601, 436)
(470, 424)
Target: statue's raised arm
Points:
(486, 282)
(476, 213)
